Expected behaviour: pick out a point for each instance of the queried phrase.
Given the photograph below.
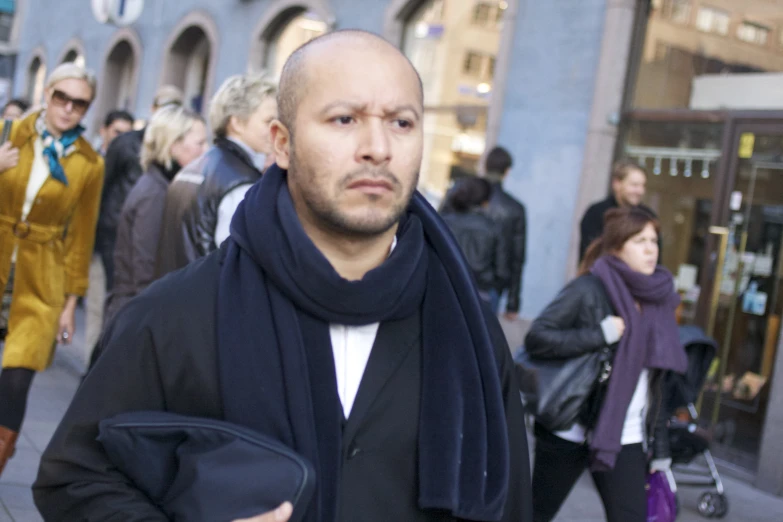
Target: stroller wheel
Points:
(713, 505)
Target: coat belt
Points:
(31, 231)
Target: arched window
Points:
(294, 28)
(188, 65)
(453, 46)
(117, 81)
(74, 56)
(36, 76)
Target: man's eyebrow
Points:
(403, 108)
(345, 104)
(363, 108)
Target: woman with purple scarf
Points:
(625, 300)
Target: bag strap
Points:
(7, 124)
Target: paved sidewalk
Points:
(53, 390)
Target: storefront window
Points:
(682, 163)
(697, 55)
(453, 45)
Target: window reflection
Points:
(697, 55)
(453, 46)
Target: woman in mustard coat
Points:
(48, 210)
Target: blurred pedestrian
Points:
(625, 300)
(15, 108)
(175, 137)
(478, 236)
(48, 211)
(123, 170)
(511, 216)
(202, 198)
(629, 182)
(116, 123)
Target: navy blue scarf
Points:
(277, 296)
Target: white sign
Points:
(125, 12)
(736, 200)
(100, 10)
(117, 12)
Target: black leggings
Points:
(559, 464)
(14, 389)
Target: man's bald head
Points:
(294, 80)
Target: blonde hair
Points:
(239, 96)
(167, 126)
(167, 95)
(68, 71)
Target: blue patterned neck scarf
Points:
(50, 153)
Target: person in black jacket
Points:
(123, 170)
(625, 300)
(510, 215)
(628, 187)
(478, 236)
(202, 199)
(339, 318)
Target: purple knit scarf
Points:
(651, 340)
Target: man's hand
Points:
(510, 316)
(281, 514)
(9, 156)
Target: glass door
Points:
(748, 302)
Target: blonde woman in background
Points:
(49, 198)
(175, 137)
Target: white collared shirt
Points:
(351, 346)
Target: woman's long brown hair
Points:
(620, 225)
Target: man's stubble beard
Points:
(329, 215)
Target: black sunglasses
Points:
(62, 99)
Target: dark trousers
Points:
(559, 464)
(104, 245)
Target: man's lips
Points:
(371, 186)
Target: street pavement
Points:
(53, 389)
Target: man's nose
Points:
(374, 143)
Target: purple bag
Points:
(661, 500)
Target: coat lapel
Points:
(392, 344)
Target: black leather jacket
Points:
(483, 246)
(510, 215)
(225, 167)
(123, 170)
(570, 326)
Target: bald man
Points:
(339, 319)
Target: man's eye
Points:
(343, 120)
(404, 124)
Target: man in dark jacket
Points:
(338, 318)
(510, 215)
(628, 185)
(122, 172)
(202, 199)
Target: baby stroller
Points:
(687, 439)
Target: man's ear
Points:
(281, 143)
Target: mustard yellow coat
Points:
(54, 245)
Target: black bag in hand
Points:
(561, 392)
(196, 468)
